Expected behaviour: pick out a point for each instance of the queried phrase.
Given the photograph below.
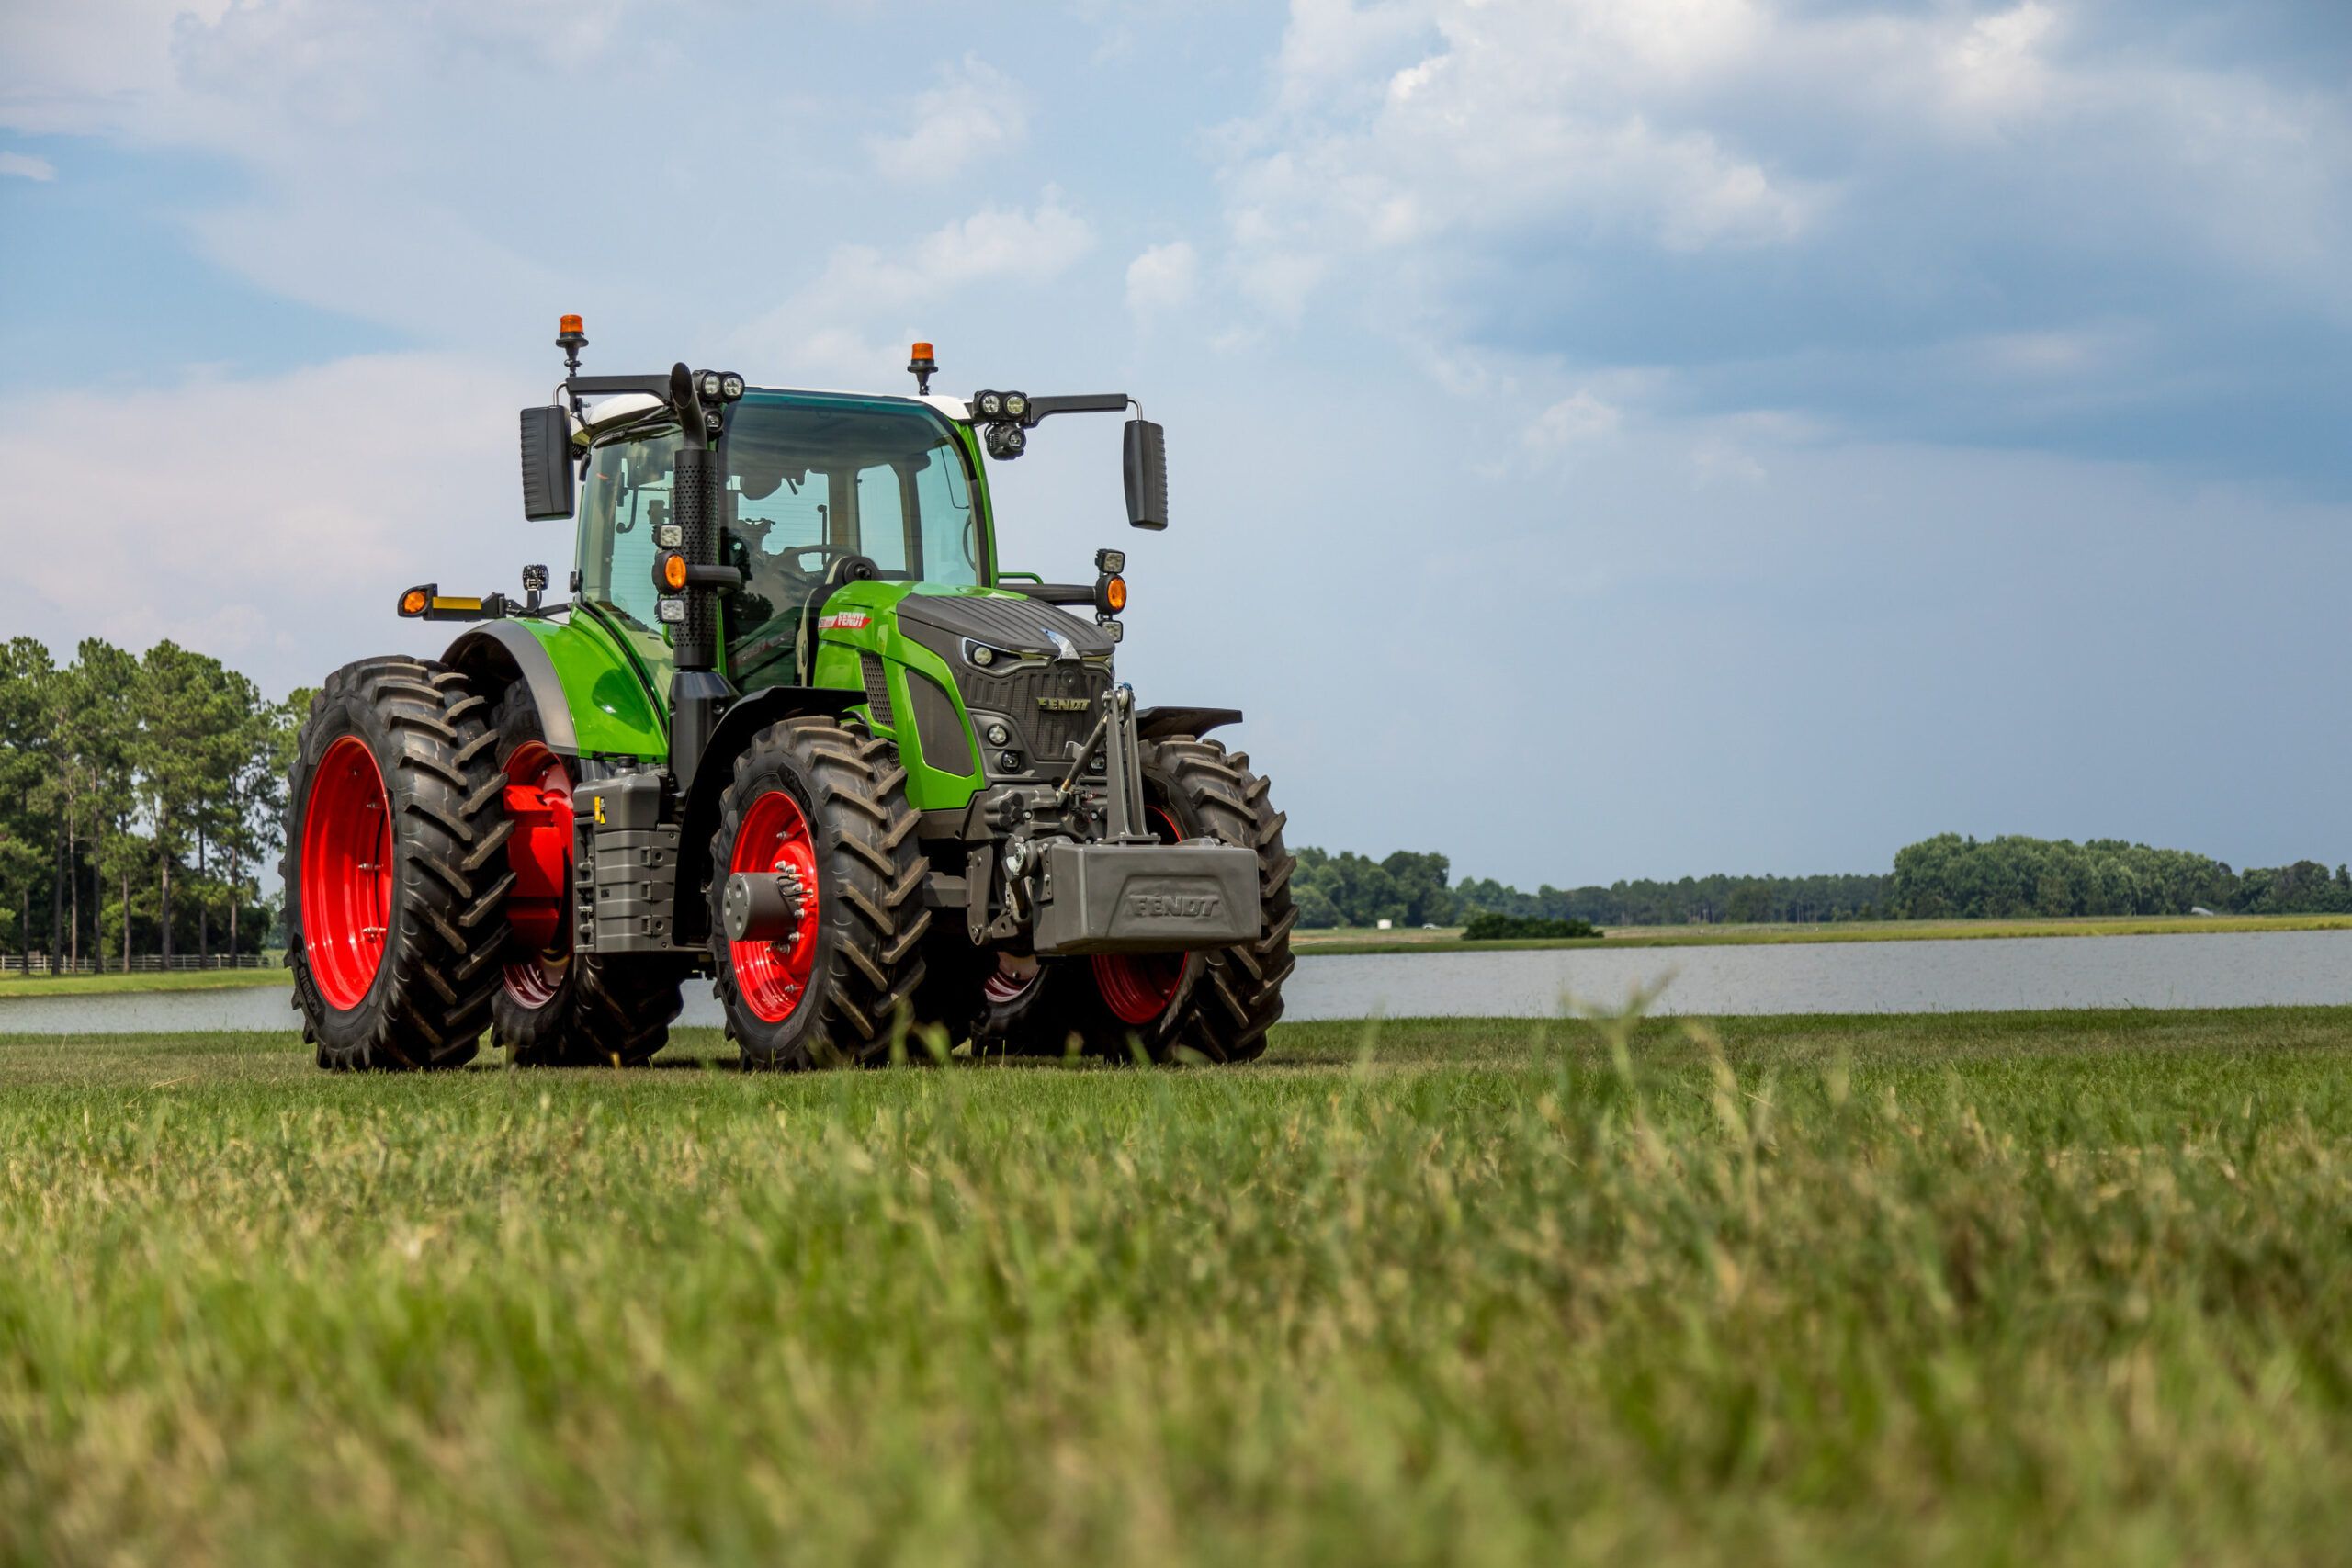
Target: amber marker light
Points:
(674, 572)
(1114, 593)
(413, 602)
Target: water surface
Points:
(2225, 969)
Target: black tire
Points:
(948, 1000)
(427, 999)
(867, 959)
(563, 1009)
(1226, 999)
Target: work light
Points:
(1111, 561)
(673, 612)
(731, 386)
(1015, 405)
(990, 404)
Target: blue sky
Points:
(1609, 438)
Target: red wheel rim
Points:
(1139, 987)
(347, 873)
(773, 976)
(538, 850)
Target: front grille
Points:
(1046, 733)
(877, 691)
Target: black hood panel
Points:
(1011, 625)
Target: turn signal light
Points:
(1115, 595)
(674, 572)
(413, 602)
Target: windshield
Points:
(809, 482)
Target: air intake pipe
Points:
(698, 693)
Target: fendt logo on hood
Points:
(1065, 704)
(842, 621)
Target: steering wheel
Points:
(830, 553)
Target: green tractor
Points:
(796, 730)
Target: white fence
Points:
(141, 963)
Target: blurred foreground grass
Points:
(2030, 1288)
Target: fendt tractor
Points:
(796, 730)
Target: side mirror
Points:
(1146, 465)
(547, 477)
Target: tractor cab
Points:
(815, 489)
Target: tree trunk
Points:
(203, 906)
(73, 895)
(98, 892)
(163, 867)
(126, 915)
(57, 901)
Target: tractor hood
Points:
(1028, 628)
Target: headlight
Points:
(1015, 405)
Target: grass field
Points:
(1366, 938)
(2028, 1288)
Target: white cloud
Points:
(974, 112)
(1574, 420)
(842, 322)
(24, 166)
(1427, 146)
(271, 521)
(1162, 278)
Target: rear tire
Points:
(1217, 1005)
(829, 802)
(555, 1008)
(395, 868)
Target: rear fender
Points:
(495, 655)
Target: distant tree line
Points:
(140, 797)
(1950, 877)
(1946, 877)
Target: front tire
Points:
(395, 868)
(828, 803)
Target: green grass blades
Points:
(2043, 1287)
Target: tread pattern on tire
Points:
(431, 736)
(870, 870)
(605, 1012)
(1232, 996)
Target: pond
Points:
(2229, 969)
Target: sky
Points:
(1608, 438)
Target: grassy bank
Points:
(39, 985)
(2036, 1287)
(1360, 939)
